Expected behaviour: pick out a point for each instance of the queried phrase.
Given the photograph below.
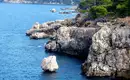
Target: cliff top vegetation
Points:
(101, 8)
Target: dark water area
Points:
(20, 57)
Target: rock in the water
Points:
(109, 54)
(53, 10)
(49, 64)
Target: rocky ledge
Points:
(45, 30)
(109, 53)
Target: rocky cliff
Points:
(105, 45)
(72, 40)
(43, 1)
(65, 36)
(109, 54)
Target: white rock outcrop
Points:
(53, 10)
(49, 64)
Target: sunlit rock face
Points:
(49, 64)
(109, 53)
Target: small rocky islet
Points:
(104, 44)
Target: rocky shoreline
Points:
(105, 45)
(65, 35)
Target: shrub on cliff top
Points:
(82, 5)
(118, 8)
(82, 11)
(98, 11)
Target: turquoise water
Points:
(20, 57)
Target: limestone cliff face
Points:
(43, 1)
(109, 54)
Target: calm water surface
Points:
(20, 57)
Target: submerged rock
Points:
(109, 54)
(49, 64)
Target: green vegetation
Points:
(98, 11)
(83, 4)
(82, 11)
(100, 8)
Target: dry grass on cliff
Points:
(126, 19)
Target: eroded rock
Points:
(45, 30)
(49, 64)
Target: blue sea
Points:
(20, 57)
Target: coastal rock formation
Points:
(72, 40)
(49, 64)
(105, 44)
(74, 37)
(45, 30)
(109, 53)
(70, 36)
(50, 29)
